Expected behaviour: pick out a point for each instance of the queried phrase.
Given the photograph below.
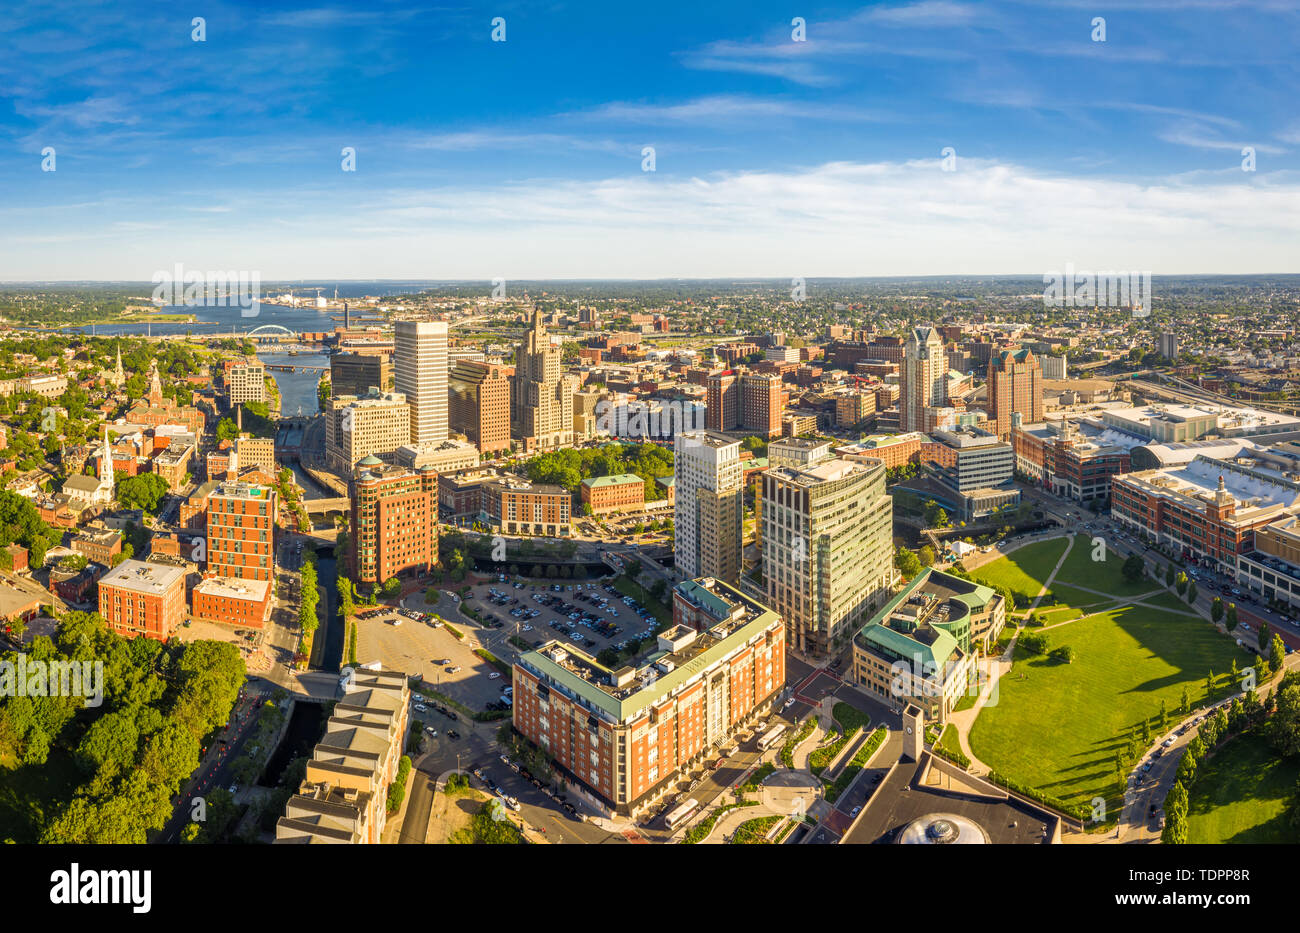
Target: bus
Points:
(771, 737)
(681, 813)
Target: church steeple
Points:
(155, 385)
(119, 375)
(106, 464)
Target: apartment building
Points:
(479, 404)
(707, 508)
(420, 374)
(1272, 569)
(343, 797)
(828, 556)
(394, 525)
(722, 401)
(240, 531)
(854, 407)
(761, 404)
(622, 738)
(139, 598)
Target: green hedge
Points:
(855, 766)
(821, 758)
(492, 659)
(754, 832)
(700, 831)
(1078, 811)
(455, 632)
(850, 718)
(805, 730)
(398, 789)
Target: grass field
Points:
(1057, 726)
(1070, 596)
(1241, 794)
(1107, 576)
(1169, 601)
(1024, 570)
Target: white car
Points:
(494, 675)
(432, 731)
(528, 628)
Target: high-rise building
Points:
(241, 525)
(394, 521)
(356, 428)
(1015, 387)
(358, 373)
(420, 373)
(479, 404)
(246, 382)
(722, 402)
(923, 378)
(760, 404)
(707, 509)
(828, 556)
(1169, 345)
(541, 395)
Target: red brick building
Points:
(240, 525)
(138, 598)
(622, 738)
(478, 404)
(622, 492)
(237, 602)
(394, 521)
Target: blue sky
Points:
(773, 157)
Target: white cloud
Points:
(828, 220)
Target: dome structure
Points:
(937, 829)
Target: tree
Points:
(1191, 593)
(1284, 724)
(1180, 583)
(1231, 616)
(1065, 654)
(392, 586)
(1277, 649)
(907, 563)
(1216, 609)
(1134, 569)
(144, 492)
(926, 556)
(1170, 576)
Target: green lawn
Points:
(1024, 570)
(1069, 596)
(1241, 794)
(949, 743)
(1059, 727)
(1169, 601)
(1105, 575)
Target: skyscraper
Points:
(827, 548)
(241, 526)
(394, 521)
(479, 404)
(923, 378)
(760, 403)
(420, 373)
(707, 508)
(722, 402)
(1015, 387)
(541, 396)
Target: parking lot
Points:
(593, 615)
(416, 646)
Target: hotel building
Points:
(623, 737)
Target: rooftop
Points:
(680, 654)
(234, 588)
(143, 577)
(615, 479)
